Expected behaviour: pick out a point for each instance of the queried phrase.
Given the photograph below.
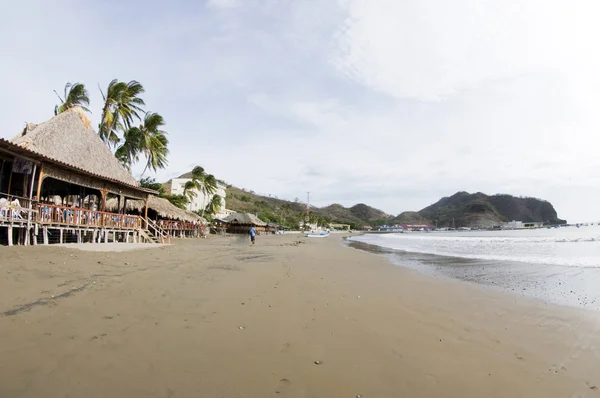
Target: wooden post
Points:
(106, 236)
(60, 239)
(146, 214)
(30, 206)
(103, 194)
(9, 181)
(45, 234)
(79, 236)
(40, 180)
(2, 173)
(10, 234)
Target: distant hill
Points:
(467, 210)
(481, 210)
(368, 213)
(277, 210)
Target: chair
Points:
(15, 206)
(3, 207)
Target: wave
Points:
(572, 251)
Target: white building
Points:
(521, 225)
(177, 186)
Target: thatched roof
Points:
(69, 138)
(161, 206)
(244, 218)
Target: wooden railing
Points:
(15, 208)
(180, 225)
(157, 231)
(51, 214)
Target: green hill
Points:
(481, 210)
(467, 210)
(271, 209)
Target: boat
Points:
(316, 234)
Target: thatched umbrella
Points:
(69, 138)
(161, 206)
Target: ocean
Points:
(560, 265)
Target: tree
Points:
(151, 183)
(214, 206)
(122, 103)
(75, 94)
(207, 184)
(177, 200)
(148, 140)
(189, 190)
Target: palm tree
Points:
(148, 140)
(189, 190)
(214, 206)
(75, 95)
(122, 103)
(204, 183)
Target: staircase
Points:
(148, 237)
(154, 233)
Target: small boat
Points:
(316, 234)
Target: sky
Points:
(392, 103)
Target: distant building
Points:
(514, 225)
(417, 227)
(367, 228)
(344, 227)
(521, 225)
(393, 228)
(177, 186)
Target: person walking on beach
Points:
(252, 234)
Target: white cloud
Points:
(390, 103)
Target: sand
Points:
(218, 318)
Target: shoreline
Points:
(575, 287)
(217, 317)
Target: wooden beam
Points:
(146, 214)
(103, 193)
(9, 181)
(10, 235)
(40, 180)
(2, 173)
(30, 206)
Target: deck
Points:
(47, 223)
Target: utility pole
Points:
(307, 218)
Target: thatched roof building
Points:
(244, 219)
(69, 138)
(162, 207)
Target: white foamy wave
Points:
(576, 247)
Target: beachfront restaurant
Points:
(240, 223)
(55, 180)
(165, 218)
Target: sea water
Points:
(560, 264)
(568, 246)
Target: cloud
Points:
(394, 104)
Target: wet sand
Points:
(290, 317)
(564, 285)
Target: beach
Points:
(288, 317)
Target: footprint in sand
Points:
(282, 387)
